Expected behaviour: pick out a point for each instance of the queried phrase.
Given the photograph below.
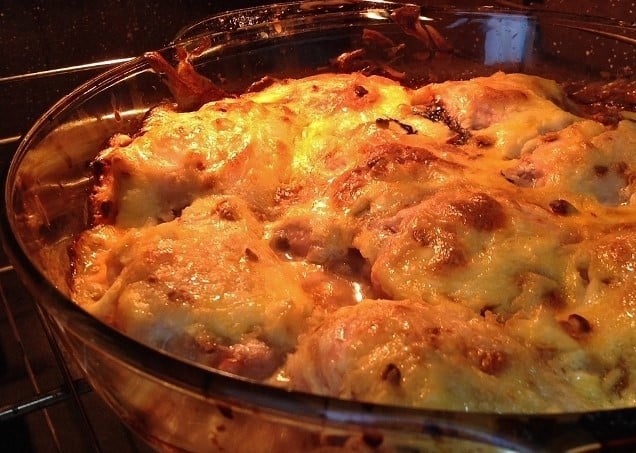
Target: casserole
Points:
(176, 403)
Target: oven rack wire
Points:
(46, 402)
(60, 413)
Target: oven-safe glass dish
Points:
(174, 404)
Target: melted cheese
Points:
(507, 109)
(435, 355)
(201, 285)
(466, 245)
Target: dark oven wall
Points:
(40, 34)
(43, 35)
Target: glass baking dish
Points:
(179, 405)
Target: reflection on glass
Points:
(508, 39)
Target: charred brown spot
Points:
(392, 374)
(384, 123)
(360, 91)
(600, 170)
(106, 208)
(437, 113)
(281, 243)
(294, 238)
(410, 130)
(432, 335)
(584, 274)
(554, 299)
(400, 155)
(176, 212)
(481, 212)
(99, 166)
(373, 440)
(489, 361)
(486, 309)
(550, 137)
(226, 411)
(524, 176)
(576, 326)
(352, 265)
(251, 255)
(434, 331)
(461, 138)
(562, 207)
(483, 141)
(227, 211)
(152, 279)
(179, 296)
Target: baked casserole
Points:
(466, 245)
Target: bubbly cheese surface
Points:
(467, 245)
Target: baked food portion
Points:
(480, 249)
(604, 171)
(430, 353)
(177, 157)
(467, 245)
(204, 285)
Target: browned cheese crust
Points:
(466, 245)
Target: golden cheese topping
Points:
(467, 245)
(204, 285)
(478, 249)
(435, 355)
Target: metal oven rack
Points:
(46, 404)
